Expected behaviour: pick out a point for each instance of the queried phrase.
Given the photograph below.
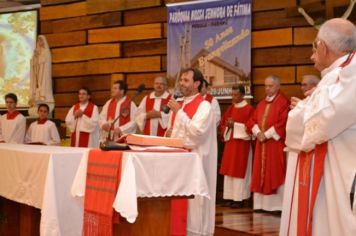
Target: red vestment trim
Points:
(306, 201)
(12, 115)
(149, 106)
(83, 136)
(179, 207)
(209, 98)
(103, 179)
(125, 110)
(41, 122)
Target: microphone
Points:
(109, 144)
(166, 108)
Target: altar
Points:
(53, 180)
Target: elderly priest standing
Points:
(269, 164)
(322, 129)
(194, 122)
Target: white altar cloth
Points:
(151, 174)
(41, 176)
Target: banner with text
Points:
(214, 36)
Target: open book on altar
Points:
(147, 140)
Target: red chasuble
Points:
(235, 155)
(269, 164)
(103, 179)
(125, 109)
(149, 106)
(179, 207)
(83, 136)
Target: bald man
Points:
(320, 184)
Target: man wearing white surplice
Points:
(150, 118)
(322, 130)
(194, 122)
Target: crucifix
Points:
(329, 13)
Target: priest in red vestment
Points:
(121, 107)
(150, 119)
(268, 124)
(236, 162)
(193, 121)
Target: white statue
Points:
(318, 24)
(41, 90)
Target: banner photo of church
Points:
(214, 36)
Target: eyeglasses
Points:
(315, 44)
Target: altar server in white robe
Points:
(43, 131)
(119, 107)
(322, 128)
(83, 121)
(150, 118)
(194, 122)
(12, 123)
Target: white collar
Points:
(334, 65)
(240, 104)
(270, 99)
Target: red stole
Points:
(103, 179)
(12, 115)
(125, 109)
(208, 97)
(269, 164)
(306, 201)
(83, 136)
(149, 106)
(41, 122)
(236, 151)
(179, 207)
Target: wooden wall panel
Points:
(276, 19)
(304, 35)
(306, 70)
(82, 23)
(134, 80)
(126, 33)
(285, 73)
(115, 77)
(73, 84)
(108, 66)
(63, 11)
(96, 6)
(271, 5)
(145, 48)
(281, 56)
(67, 39)
(54, 2)
(270, 38)
(149, 15)
(68, 99)
(87, 52)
